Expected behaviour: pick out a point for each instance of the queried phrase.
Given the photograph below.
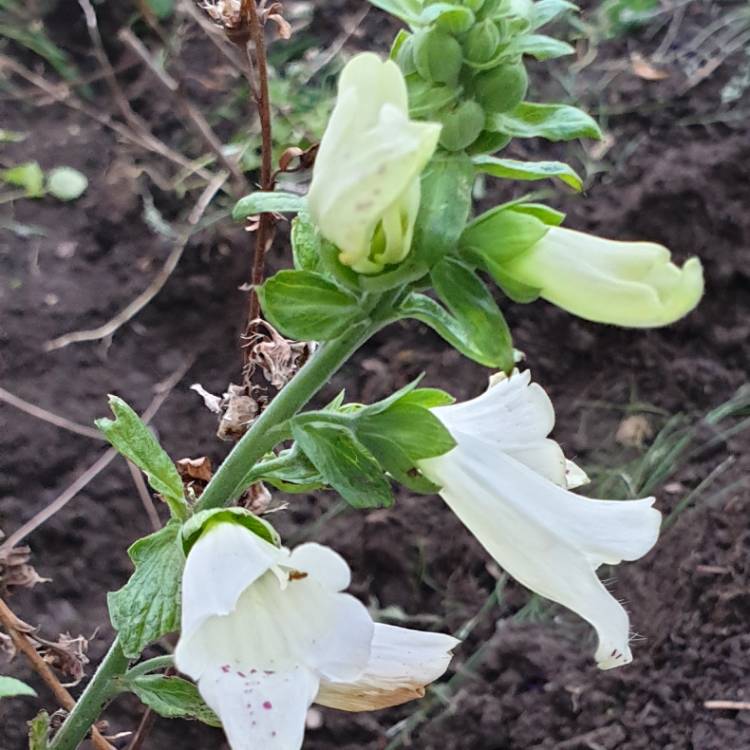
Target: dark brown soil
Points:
(534, 686)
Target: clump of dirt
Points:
(535, 686)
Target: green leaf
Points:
(511, 169)
(260, 202)
(549, 216)
(545, 11)
(173, 698)
(455, 19)
(195, 525)
(308, 307)
(555, 122)
(148, 606)
(416, 430)
(539, 46)
(161, 8)
(500, 234)
(306, 243)
(39, 731)
(66, 183)
(136, 442)
(399, 465)
(12, 136)
(406, 10)
(345, 464)
(28, 176)
(427, 398)
(11, 687)
(466, 296)
(290, 471)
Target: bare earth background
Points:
(675, 172)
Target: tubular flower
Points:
(509, 484)
(266, 632)
(365, 190)
(632, 284)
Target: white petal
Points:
(575, 476)
(547, 538)
(323, 564)
(220, 566)
(260, 711)
(402, 663)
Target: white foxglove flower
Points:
(365, 190)
(509, 483)
(266, 632)
(632, 284)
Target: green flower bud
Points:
(482, 41)
(503, 88)
(461, 126)
(405, 56)
(426, 98)
(473, 5)
(438, 56)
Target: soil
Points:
(676, 173)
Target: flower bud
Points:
(438, 56)
(405, 56)
(473, 5)
(425, 98)
(482, 41)
(503, 88)
(461, 126)
(365, 191)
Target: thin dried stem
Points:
(47, 416)
(23, 643)
(161, 278)
(145, 495)
(265, 230)
(162, 393)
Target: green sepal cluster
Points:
(354, 449)
(464, 67)
(203, 520)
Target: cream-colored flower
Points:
(509, 484)
(632, 284)
(266, 632)
(365, 190)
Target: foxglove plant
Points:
(386, 233)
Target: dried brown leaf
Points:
(191, 469)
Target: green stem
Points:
(150, 665)
(230, 479)
(92, 700)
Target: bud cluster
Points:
(464, 66)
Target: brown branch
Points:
(145, 495)
(265, 230)
(161, 278)
(23, 644)
(48, 416)
(162, 393)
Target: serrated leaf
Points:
(344, 463)
(260, 202)
(173, 698)
(306, 243)
(308, 307)
(398, 464)
(148, 606)
(555, 122)
(39, 731)
(10, 687)
(66, 183)
(472, 305)
(512, 169)
(540, 47)
(28, 176)
(545, 11)
(136, 442)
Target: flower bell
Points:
(632, 284)
(509, 484)
(266, 632)
(365, 189)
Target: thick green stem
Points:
(86, 711)
(230, 479)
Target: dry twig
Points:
(134, 307)
(23, 644)
(145, 495)
(162, 393)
